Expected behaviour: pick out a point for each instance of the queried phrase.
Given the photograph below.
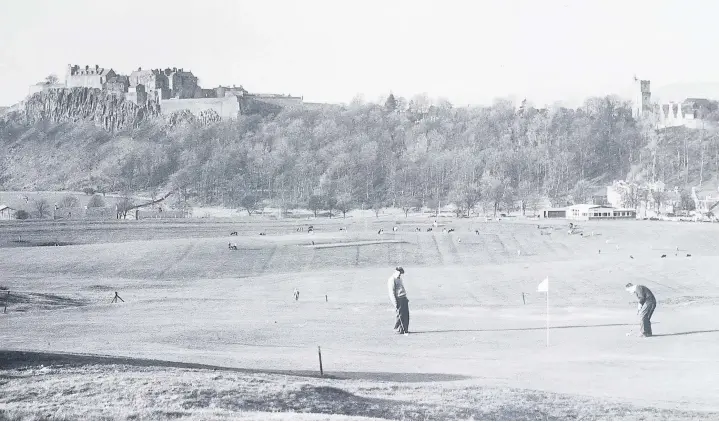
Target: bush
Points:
(96, 202)
(22, 215)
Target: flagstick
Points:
(547, 317)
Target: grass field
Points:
(206, 332)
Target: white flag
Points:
(544, 285)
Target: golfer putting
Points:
(645, 307)
(398, 296)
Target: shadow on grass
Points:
(553, 327)
(686, 333)
(40, 300)
(13, 359)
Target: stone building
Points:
(136, 94)
(118, 85)
(154, 83)
(87, 77)
(182, 84)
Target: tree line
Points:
(407, 154)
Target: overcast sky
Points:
(469, 52)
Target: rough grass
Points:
(126, 392)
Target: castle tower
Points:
(642, 97)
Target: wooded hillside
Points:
(366, 155)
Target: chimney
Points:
(139, 69)
(97, 67)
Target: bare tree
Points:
(659, 196)
(125, 204)
(42, 207)
(69, 201)
(51, 79)
(249, 203)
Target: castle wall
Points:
(226, 107)
(85, 81)
(34, 89)
(281, 101)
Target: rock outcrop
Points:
(108, 111)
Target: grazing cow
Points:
(296, 294)
(380, 231)
(429, 229)
(233, 234)
(232, 246)
(476, 232)
(450, 230)
(444, 230)
(263, 234)
(343, 229)
(417, 229)
(664, 256)
(395, 228)
(313, 243)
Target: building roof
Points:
(5, 207)
(589, 206)
(118, 79)
(89, 70)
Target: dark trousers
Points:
(402, 322)
(645, 315)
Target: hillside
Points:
(364, 155)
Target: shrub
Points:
(22, 215)
(96, 202)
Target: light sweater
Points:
(396, 288)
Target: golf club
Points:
(399, 318)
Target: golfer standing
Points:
(398, 295)
(645, 308)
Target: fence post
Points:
(319, 352)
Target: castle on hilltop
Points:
(667, 114)
(172, 88)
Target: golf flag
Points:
(544, 285)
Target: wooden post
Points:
(7, 298)
(326, 298)
(523, 301)
(319, 352)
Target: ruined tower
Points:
(641, 99)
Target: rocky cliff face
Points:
(110, 112)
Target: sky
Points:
(469, 52)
